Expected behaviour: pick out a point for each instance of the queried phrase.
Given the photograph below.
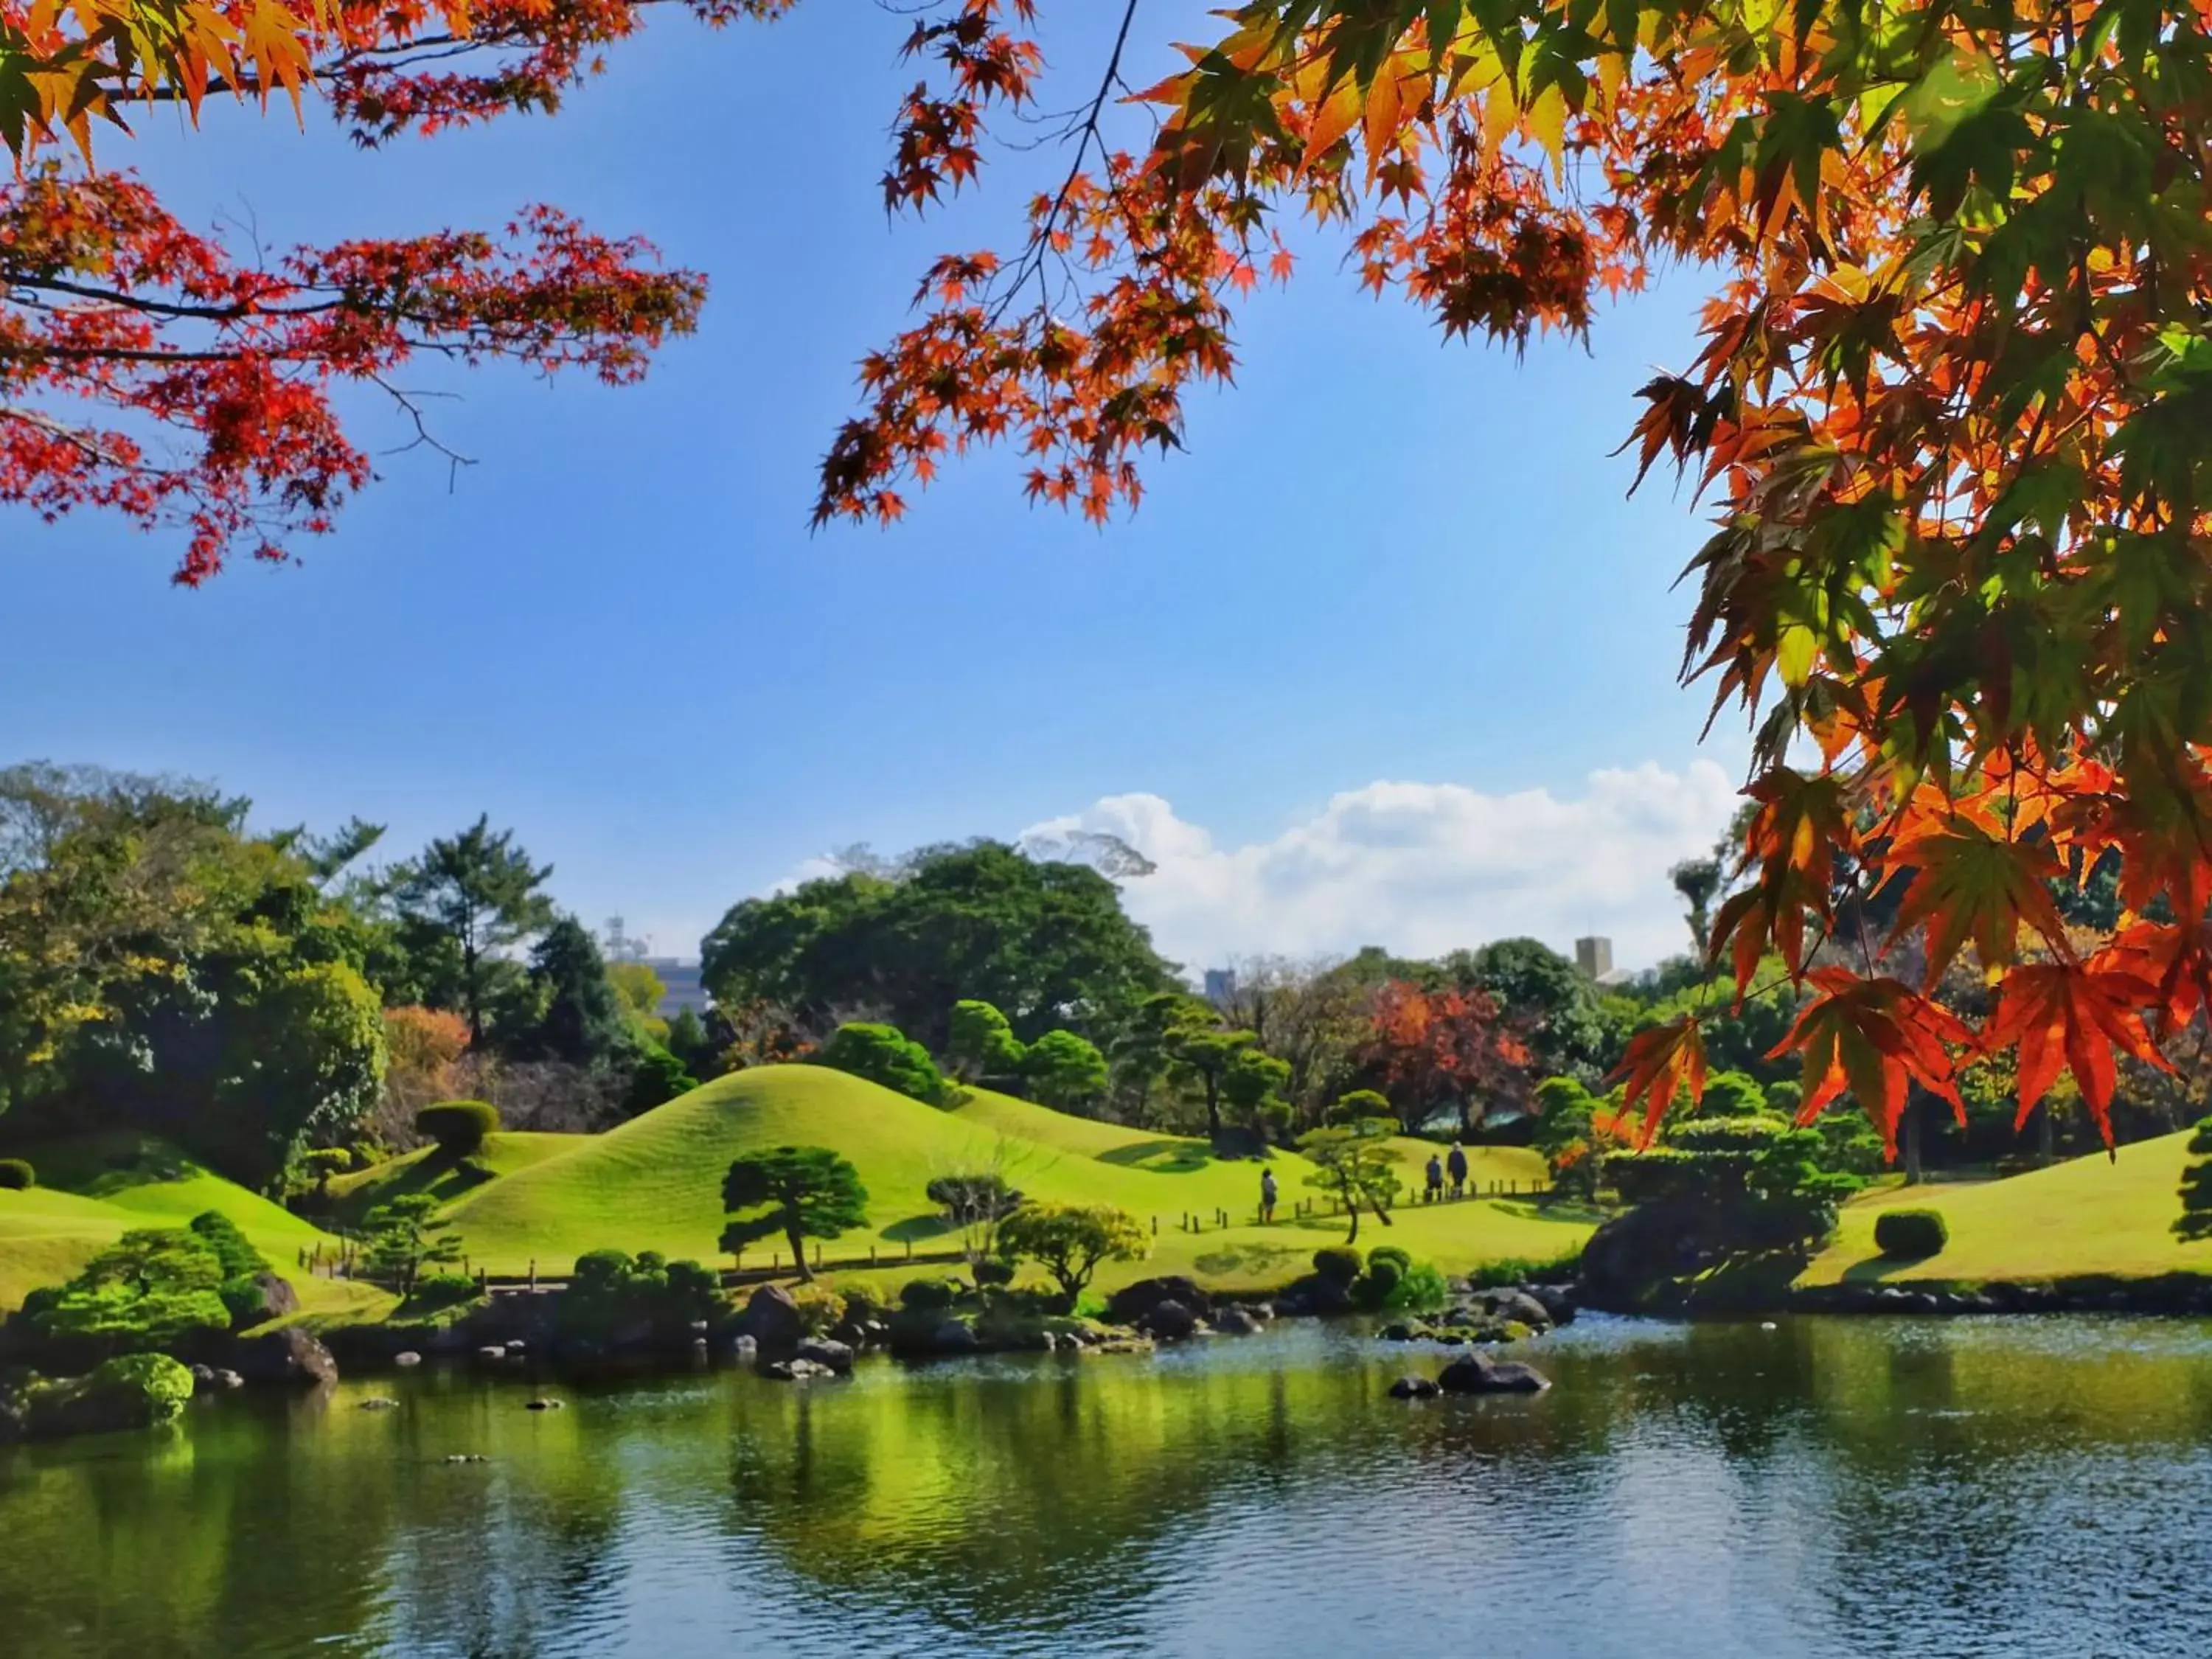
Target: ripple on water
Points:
(1972, 1487)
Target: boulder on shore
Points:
(1132, 1304)
(1414, 1387)
(772, 1319)
(290, 1358)
(954, 1336)
(273, 1298)
(1168, 1322)
(1233, 1321)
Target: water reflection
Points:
(1977, 1487)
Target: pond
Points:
(1986, 1486)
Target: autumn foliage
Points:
(1952, 410)
(1445, 1047)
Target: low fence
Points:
(345, 1262)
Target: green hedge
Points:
(16, 1176)
(1339, 1263)
(1910, 1235)
(459, 1127)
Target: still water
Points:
(2021, 1487)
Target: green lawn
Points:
(655, 1182)
(2088, 1216)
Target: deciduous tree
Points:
(1070, 1241)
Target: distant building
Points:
(683, 989)
(1220, 986)
(1594, 956)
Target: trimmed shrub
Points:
(820, 1308)
(1375, 1287)
(928, 1295)
(327, 1161)
(1339, 1263)
(1910, 1235)
(1392, 1253)
(16, 1176)
(459, 1127)
(219, 1234)
(990, 1272)
(886, 1055)
(436, 1291)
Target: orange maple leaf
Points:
(1874, 1037)
(1656, 1065)
(2074, 1016)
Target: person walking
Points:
(1266, 1197)
(1455, 1164)
(1435, 1178)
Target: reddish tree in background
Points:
(1431, 1048)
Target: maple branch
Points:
(83, 441)
(1084, 134)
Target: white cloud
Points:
(1421, 868)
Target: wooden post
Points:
(818, 1258)
(909, 1249)
(871, 1255)
(775, 1261)
(533, 1275)
(1155, 1226)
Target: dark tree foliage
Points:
(462, 903)
(1046, 943)
(572, 1013)
(799, 1191)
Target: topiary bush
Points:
(1910, 1235)
(990, 1272)
(886, 1054)
(928, 1295)
(1339, 1263)
(1373, 1289)
(1392, 1253)
(220, 1233)
(459, 1127)
(820, 1308)
(16, 1176)
(434, 1292)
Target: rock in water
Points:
(1234, 1320)
(1478, 1373)
(954, 1337)
(379, 1403)
(831, 1356)
(772, 1318)
(407, 1360)
(1412, 1388)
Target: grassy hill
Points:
(2088, 1216)
(655, 1182)
(93, 1190)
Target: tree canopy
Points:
(1047, 944)
(799, 1192)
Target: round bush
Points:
(1910, 1234)
(442, 1290)
(1392, 1253)
(927, 1295)
(16, 1176)
(989, 1272)
(1339, 1263)
(1374, 1287)
(457, 1126)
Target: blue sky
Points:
(1384, 561)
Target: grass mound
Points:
(2088, 1216)
(444, 1177)
(94, 1189)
